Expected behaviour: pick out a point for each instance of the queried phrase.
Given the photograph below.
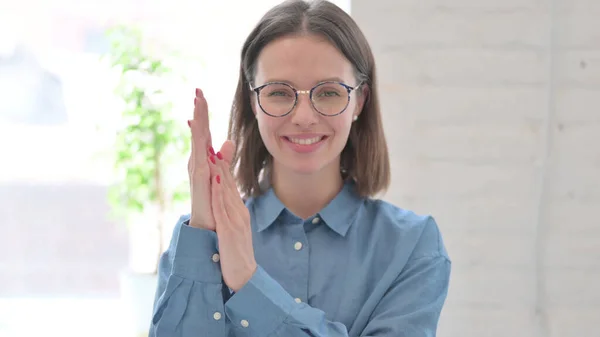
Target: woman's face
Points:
(304, 141)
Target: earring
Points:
(354, 118)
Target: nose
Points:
(304, 113)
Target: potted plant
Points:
(149, 149)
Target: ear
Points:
(253, 102)
(361, 99)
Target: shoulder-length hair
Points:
(365, 157)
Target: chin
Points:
(307, 165)
(303, 166)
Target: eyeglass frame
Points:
(349, 88)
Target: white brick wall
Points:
(492, 109)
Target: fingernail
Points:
(211, 150)
(189, 123)
(219, 155)
(212, 159)
(218, 179)
(197, 92)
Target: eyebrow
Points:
(329, 79)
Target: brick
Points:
(424, 177)
(479, 142)
(572, 251)
(578, 6)
(572, 287)
(491, 5)
(493, 287)
(482, 250)
(583, 184)
(468, 67)
(468, 106)
(442, 29)
(575, 142)
(578, 29)
(571, 321)
(578, 68)
(476, 216)
(575, 105)
(459, 321)
(361, 9)
(409, 103)
(564, 217)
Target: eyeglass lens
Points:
(278, 99)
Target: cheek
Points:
(255, 107)
(268, 127)
(341, 128)
(353, 107)
(343, 124)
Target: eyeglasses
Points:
(277, 99)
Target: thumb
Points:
(227, 150)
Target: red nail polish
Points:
(211, 150)
(189, 123)
(219, 155)
(212, 159)
(218, 179)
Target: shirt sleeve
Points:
(416, 312)
(263, 308)
(190, 295)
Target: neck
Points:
(306, 194)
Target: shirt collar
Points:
(339, 214)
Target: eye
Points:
(279, 93)
(276, 90)
(330, 93)
(330, 90)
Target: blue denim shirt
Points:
(360, 267)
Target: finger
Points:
(232, 195)
(237, 213)
(224, 167)
(201, 108)
(218, 205)
(199, 151)
(191, 158)
(227, 150)
(215, 170)
(229, 193)
(202, 124)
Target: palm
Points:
(198, 169)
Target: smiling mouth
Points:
(305, 141)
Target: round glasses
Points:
(278, 99)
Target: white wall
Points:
(492, 110)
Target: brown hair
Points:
(365, 157)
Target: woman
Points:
(309, 252)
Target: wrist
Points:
(200, 224)
(249, 275)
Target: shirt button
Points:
(244, 323)
(315, 220)
(298, 300)
(298, 245)
(216, 258)
(217, 316)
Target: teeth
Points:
(305, 141)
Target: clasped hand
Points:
(216, 202)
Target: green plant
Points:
(149, 139)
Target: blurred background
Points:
(492, 113)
